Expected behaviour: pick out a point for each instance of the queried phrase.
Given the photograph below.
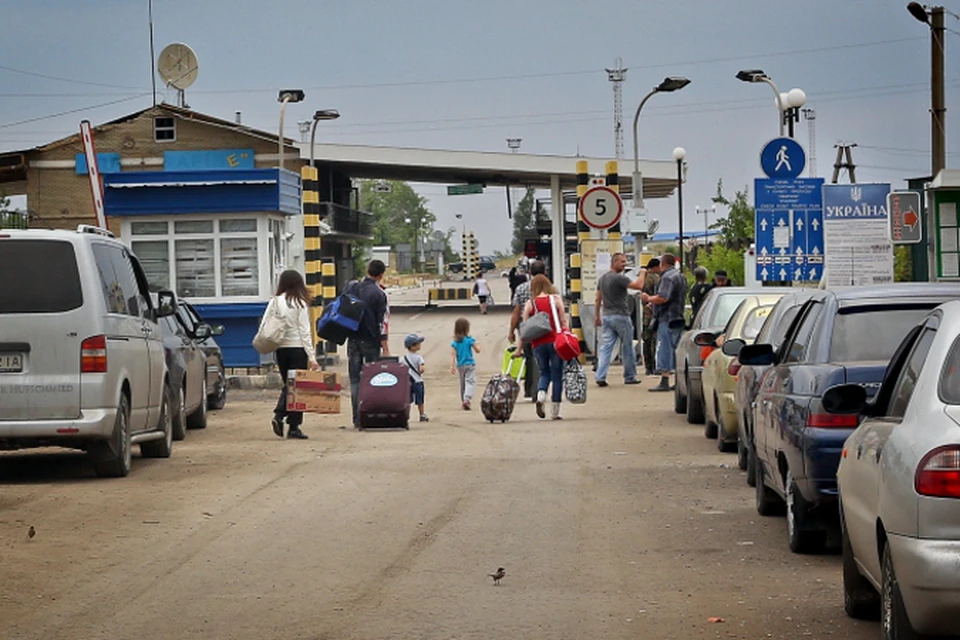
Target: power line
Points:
(71, 80)
(68, 112)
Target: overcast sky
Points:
(453, 74)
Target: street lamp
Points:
(669, 84)
(679, 154)
(285, 96)
(756, 75)
(318, 115)
(459, 216)
(938, 107)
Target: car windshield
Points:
(38, 276)
(872, 333)
(723, 308)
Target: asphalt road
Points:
(620, 521)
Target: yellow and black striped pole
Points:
(613, 182)
(311, 244)
(328, 284)
(576, 282)
(583, 185)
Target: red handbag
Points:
(565, 343)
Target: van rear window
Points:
(38, 276)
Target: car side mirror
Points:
(756, 355)
(732, 347)
(166, 304)
(845, 399)
(217, 330)
(203, 331)
(705, 339)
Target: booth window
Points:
(164, 129)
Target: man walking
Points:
(668, 306)
(649, 334)
(371, 339)
(615, 322)
(699, 290)
(520, 298)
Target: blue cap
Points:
(411, 340)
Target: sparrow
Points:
(31, 532)
(498, 576)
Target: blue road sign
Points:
(789, 229)
(782, 158)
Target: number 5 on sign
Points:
(601, 207)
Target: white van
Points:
(81, 353)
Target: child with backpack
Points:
(416, 364)
(461, 360)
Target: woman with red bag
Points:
(544, 299)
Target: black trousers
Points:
(532, 372)
(289, 359)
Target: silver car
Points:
(899, 481)
(81, 353)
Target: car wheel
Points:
(894, 624)
(801, 539)
(162, 447)
(178, 414)
(112, 458)
(694, 404)
(768, 502)
(198, 419)
(679, 400)
(860, 599)
(219, 400)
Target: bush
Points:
(721, 257)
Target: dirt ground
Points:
(621, 521)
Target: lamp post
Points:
(286, 96)
(934, 19)
(318, 115)
(756, 75)
(669, 84)
(679, 154)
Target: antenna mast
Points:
(811, 117)
(617, 76)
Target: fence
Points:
(14, 220)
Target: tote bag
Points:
(535, 327)
(566, 344)
(574, 382)
(271, 330)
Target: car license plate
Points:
(11, 362)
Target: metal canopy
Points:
(476, 167)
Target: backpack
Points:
(341, 319)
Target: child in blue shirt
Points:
(461, 360)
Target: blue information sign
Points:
(789, 229)
(782, 158)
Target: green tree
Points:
(736, 229)
(524, 219)
(391, 213)
(723, 257)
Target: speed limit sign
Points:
(601, 207)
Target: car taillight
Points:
(832, 421)
(734, 367)
(938, 474)
(704, 352)
(93, 355)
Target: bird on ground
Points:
(31, 532)
(498, 576)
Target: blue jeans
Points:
(667, 341)
(551, 370)
(615, 327)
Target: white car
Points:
(899, 484)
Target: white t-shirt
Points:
(413, 362)
(483, 289)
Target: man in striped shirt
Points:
(520, 299)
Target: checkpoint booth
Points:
(219, 239)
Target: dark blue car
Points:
(841, 336)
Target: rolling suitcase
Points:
(384, 396)
(500, 395)
(513, 367)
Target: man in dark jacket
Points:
(370, 342)
(699, 290)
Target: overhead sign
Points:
(789, 230)
(600, 207)
(782, 158)
(93, 172)
(464, 189)
(855, 225)
(595, 258)
(904, 210)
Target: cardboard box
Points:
(313, 391)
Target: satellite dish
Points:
(439, 235)
(177, 65)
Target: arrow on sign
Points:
(798, 274)
(764, 273)
(763, 251)
(799, 251)
(763, 224)
(813, 273)
(910, 219)
(783, 251)
(781, 223)
(783, 273)
(815, 251)
(815, 224)
(799, 224)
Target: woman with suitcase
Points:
(543, 295)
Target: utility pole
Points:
(937, 100)
(514, 145)
(844, 151)
(811, 117)
(617, 76)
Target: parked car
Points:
(216, 373)
(899, 481)
(839, 336)
(720, 369)
(748, 377)
(713, 315)
(187, 370)
(81, 350)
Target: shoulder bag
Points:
(536, 326)
(272, 327)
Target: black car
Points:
(186, 365)
(841, 336)
(192, 323)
